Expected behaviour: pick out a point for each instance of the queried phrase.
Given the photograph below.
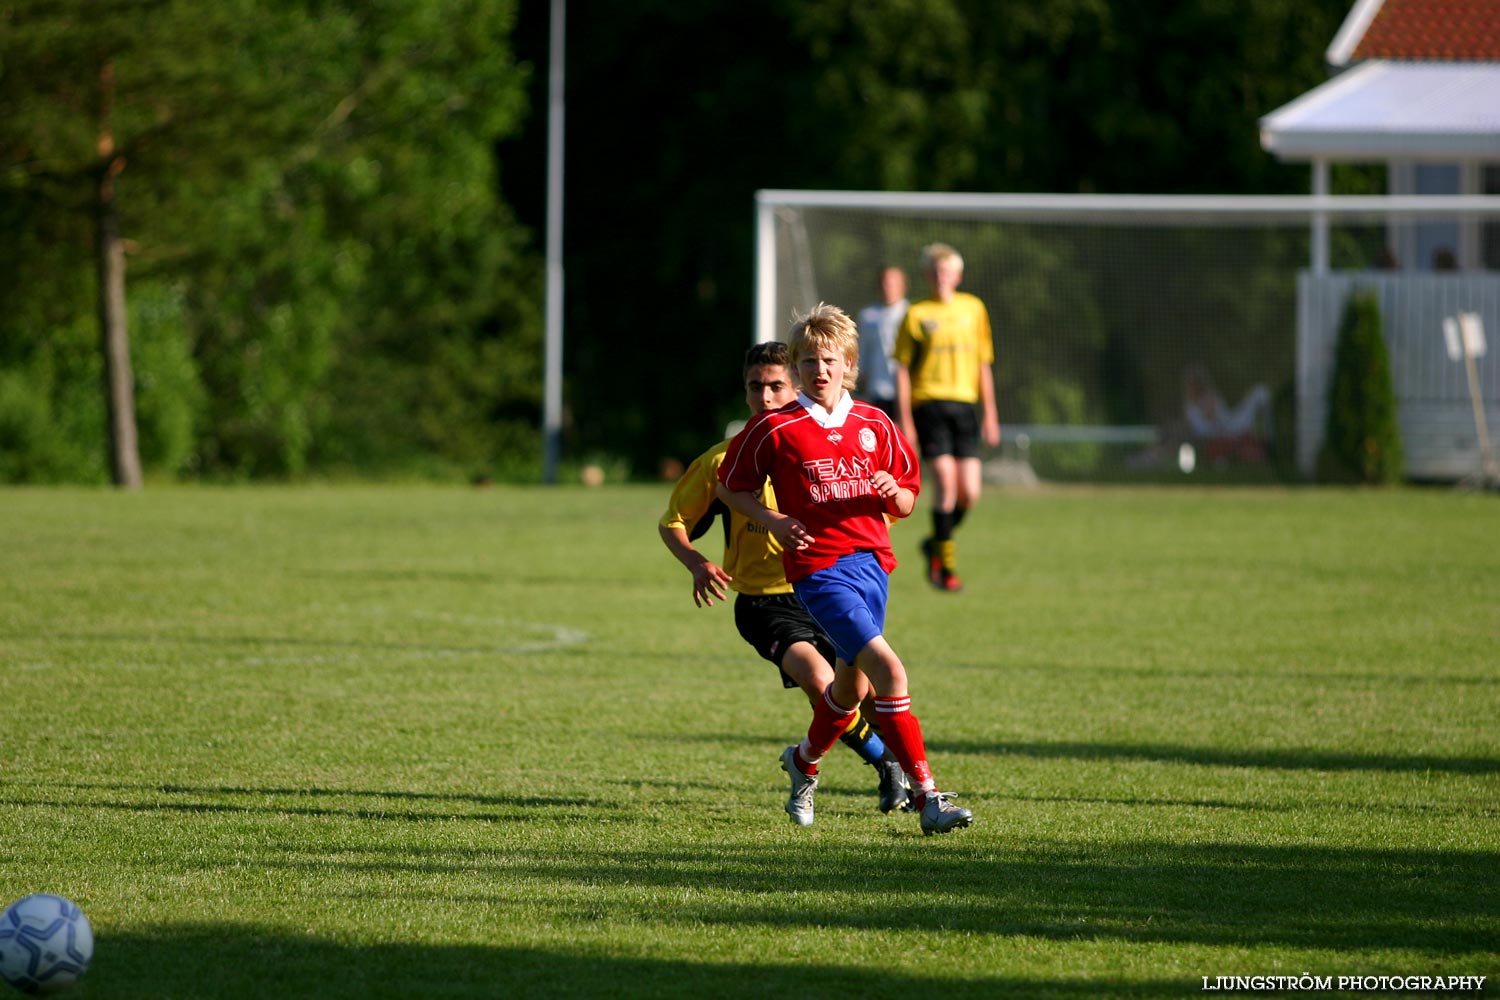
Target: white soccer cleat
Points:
(941, 816)
(799, 806)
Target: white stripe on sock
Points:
(828, 697)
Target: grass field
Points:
(426, 742)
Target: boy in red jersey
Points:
(839, 469)
(766, 612)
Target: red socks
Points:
(828, 723)
(903, 734)
(901, 730)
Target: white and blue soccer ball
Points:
(45, 944)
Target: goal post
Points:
(1107, 310)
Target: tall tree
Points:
(109, 250)
(304, 181)
(109, 107)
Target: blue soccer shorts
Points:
(847, 600)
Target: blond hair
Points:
(934, 254)
(826, 326)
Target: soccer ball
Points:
(45, 944)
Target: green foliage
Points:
(51, 397)
(51, 406)
(319, 184)
(1070, 96)
(263, 308)
(1025, 376)
(1362, 440)
(169, 398)
(310, 199)
(35, 446)
(1284, 432)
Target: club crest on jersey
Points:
(867, 439)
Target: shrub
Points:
(1362, 441)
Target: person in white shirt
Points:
(878, 323)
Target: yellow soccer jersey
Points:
(752, 556)
(943, 346)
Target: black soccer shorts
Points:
(772, 622)
(945, 427)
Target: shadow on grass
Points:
(316, 791)
(1421, 909)
(868, 791)
(1371, 808)
(228, 963)
(1292, 759)
(1261, 675)
(1219, 894)
(303, 649)
(1167, 753)
(1238, 896)
(233, 799)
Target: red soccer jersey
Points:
(820, 464)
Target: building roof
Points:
(1418, 29)
(1392, 110)
(1419, 81)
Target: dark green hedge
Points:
(1362, 442)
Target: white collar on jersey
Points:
(828, 418)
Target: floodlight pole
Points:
(552, 366)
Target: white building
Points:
(1416, 87)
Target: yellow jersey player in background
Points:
(945, 356)
(767, 613)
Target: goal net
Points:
(1113, 315)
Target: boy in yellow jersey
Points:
(945, 359)
(767, 613)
